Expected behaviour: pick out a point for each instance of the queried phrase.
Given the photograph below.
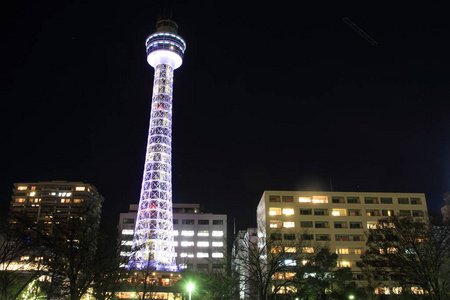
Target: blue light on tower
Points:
(153, 245)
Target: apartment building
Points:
(199, 237)
(54, 202)
(335, 219)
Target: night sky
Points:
(269, 97)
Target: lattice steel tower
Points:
(153, 241)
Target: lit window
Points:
(187, 232)
(64, 200)
(288, 211)
(217, 244)
(308, 249)
(288, 224)
(186, 254)
(275, 224)
(175, 232)
(202, 254)
(126, 243)
(320, 199)
(203, 233)
(175, 243)
(127, 231)
(304, 199)
(32, 194)
(276, 249)
(217, 255)
(24, 258)
(38, 258)
(274, 211)
(344, 264)
(187, 243)
(80, 188)
(217, 233)
(20, 199)
(22, 188)
(290, 262)
(342, 251)
(125, 253)
(77, 200)
(338, 212)
(290, 249)
(202, 244)
(397, 290)
(372, 225)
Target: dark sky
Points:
(269, 97)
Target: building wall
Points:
(336, 219)
(244, 241)
(200, 238)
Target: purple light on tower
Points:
(153, 245)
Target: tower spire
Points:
(153, 240)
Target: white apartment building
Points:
(199, 238)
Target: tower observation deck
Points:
(153, 245)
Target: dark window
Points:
(340, 224)
(305, 211)
(202, 266)
(338, 200)
(306, 224)
(417, 213)
(217, 266)
(320, 212)
(358, 238)
(355, 225)
(288, 198)
(308, 237)
(188, 222)
(370, 200)
(322, 225)
(352, 199)
(322, 237)
(341, 237)
(289, 236)
(274, 198)
(386, 200)
(416, 201)
(405, 213)
(175, 221)
(403, 200)
(128, 221)
(217, 222)
(203, 222)
(276, 236)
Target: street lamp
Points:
(351, 297)
(190, 288)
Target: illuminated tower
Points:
(153, 241)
